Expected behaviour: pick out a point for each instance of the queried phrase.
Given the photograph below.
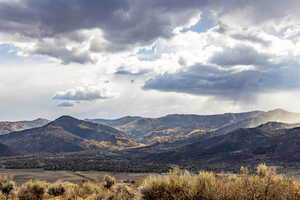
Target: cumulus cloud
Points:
(113, 25)
(123, 24)
(88, 93)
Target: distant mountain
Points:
(7, 127)
(277, 115)
(270, 142)
(114, 122)
(66, 134)
(172, 127)
(277, 127)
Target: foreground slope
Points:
(66, 134)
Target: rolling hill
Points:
(7, 127)
(66, 134)
(271, 142)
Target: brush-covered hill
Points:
(7, 127)
(273, 141)
(66, 134)
(178, 126)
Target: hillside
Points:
(7, 127)
(269, 143)
(176, 126)
(5, 151)
(66, 134)
(230, 139)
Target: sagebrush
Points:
(263, 184)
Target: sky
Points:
(113, 58)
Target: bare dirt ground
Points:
(20, 175)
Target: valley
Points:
(144, 145)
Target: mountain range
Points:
(173, 127)
(206, 140)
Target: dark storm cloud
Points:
(124, 23)
(228, 84)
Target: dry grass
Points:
(264, 184)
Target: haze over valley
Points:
(194, 141)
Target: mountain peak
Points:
(65, 120)
(65, 117)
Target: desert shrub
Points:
(109, 181)
(32, 190)
(265, 184)
(120, 192)
(262, 184)
(88, 191)
(6, 186)
(56, 189)
(175, 185)
(205, 186)
(71, 191)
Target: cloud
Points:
(95, 27)
(252, 38)
(122, 24)
(239, 55)
(88, 93)
(66, 55)
(128, 72)
(245, 85)
(66, 105)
